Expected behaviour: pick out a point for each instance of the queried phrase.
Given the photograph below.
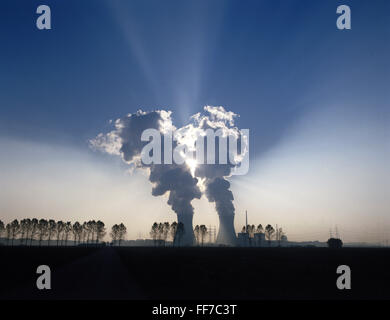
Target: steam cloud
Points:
(183, 181)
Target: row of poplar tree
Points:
(47, 231)
(175, 231)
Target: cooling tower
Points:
(188, 238)
(226, 233)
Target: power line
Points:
(337, 233)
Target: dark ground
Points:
(194, 273)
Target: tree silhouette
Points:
(9, 232)
(114, 233)
(84, 233)
(59, 230)
(160, 232)
(67, 231)
(43, 227)
(250, 230)
(260, 230)
(118, 233)
(253, 230)
(51, 230)
(15, 230)
(166, 228)
(33, 229)
(280, 236)
(24, 229)
(100, 231)
(154, 232)
(203, 232)
(77, 230)
(28, 225)
(197, 233)
(269, 233)
(91, 230)
(122, 233)
(2, 229)
(173, 232)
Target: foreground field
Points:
(194, 273)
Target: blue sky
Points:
(283, 66)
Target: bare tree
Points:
(77, 230)
(43, 227)
(8, 230)
(281, 236)
(122, 233)
(251, 230)
(84, 233)
(154, 232)
(59, 230)
(160, 232)
(100, 231)
(91, 230)
(114, 233)
(28, 226)
(166, 228)
(197, 234)
(51, 230)
(33, 229)
(2, 228)
(15, 230)
(259, 229)
(269, 233)
(67, 231)
(203, 232)
(173, 231)
(118, 233)
(24, 229)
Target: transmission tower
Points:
(212, 233)
(246, 222)
(337, 233)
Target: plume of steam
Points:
(125, 140)
(217, 188)
(183, 182)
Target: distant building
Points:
(259, 239)
(243, 239)
(335, 243)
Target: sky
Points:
(315, 99)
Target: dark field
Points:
(194, 273)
